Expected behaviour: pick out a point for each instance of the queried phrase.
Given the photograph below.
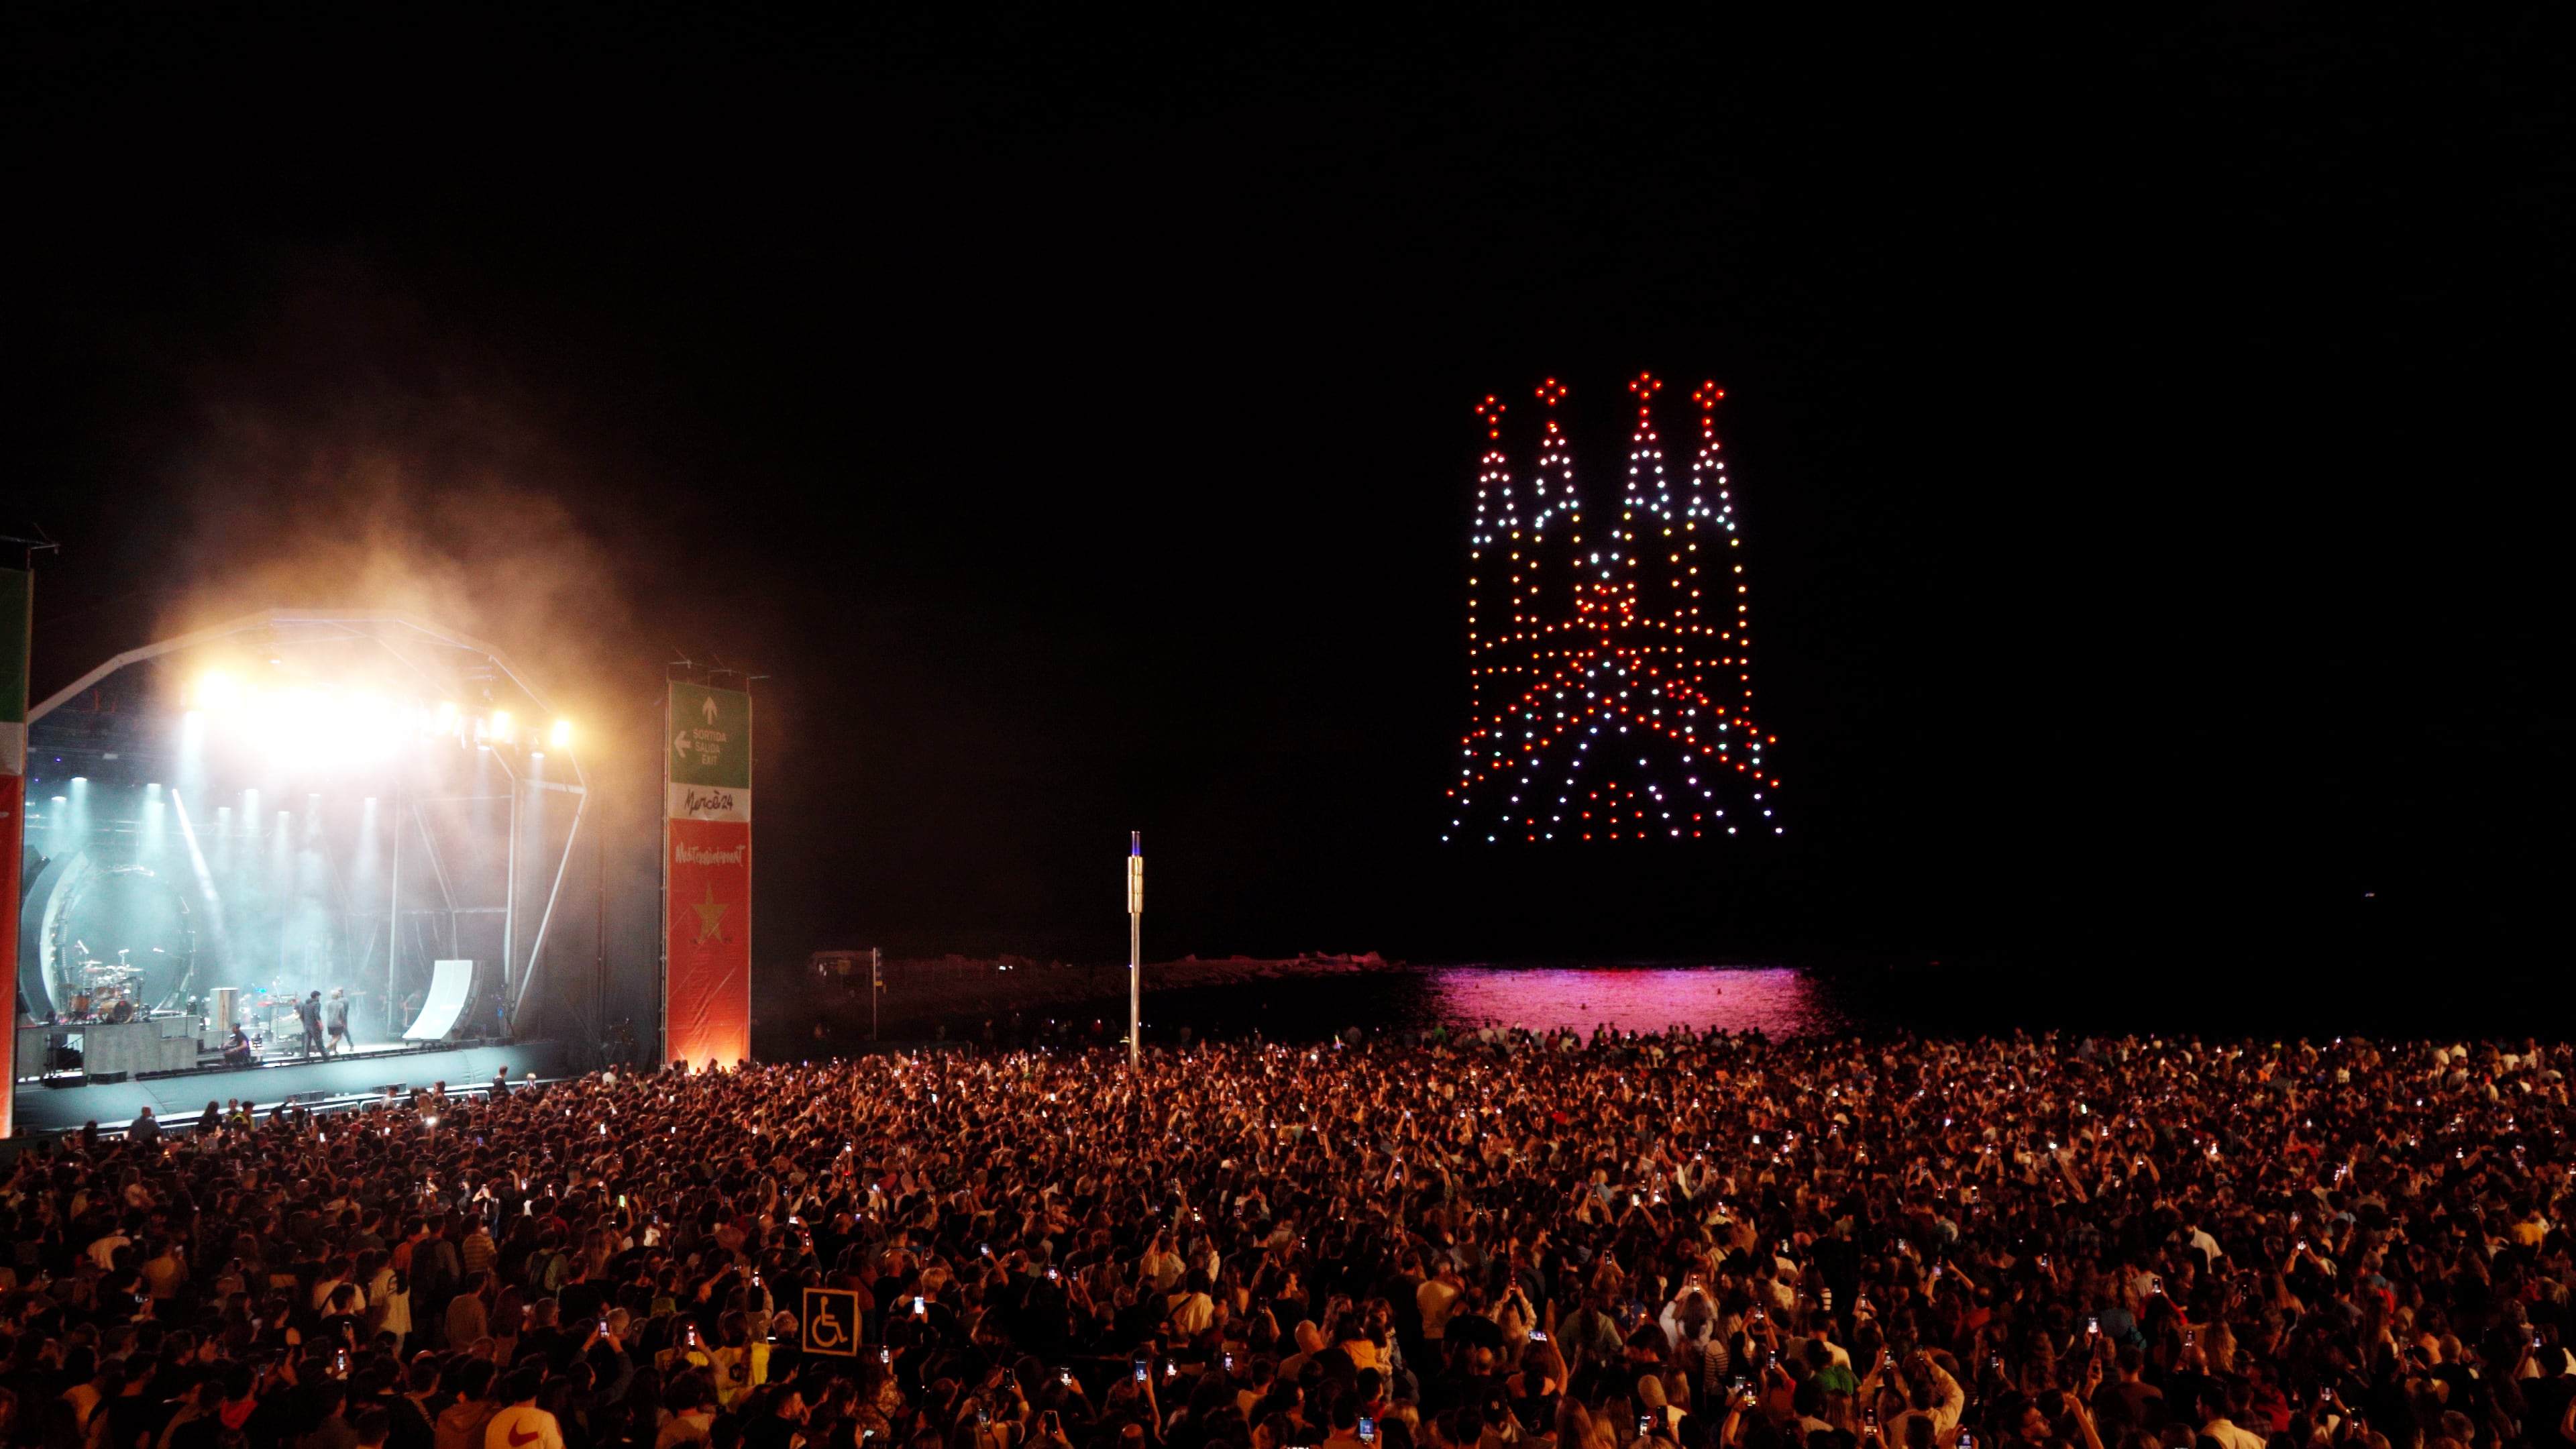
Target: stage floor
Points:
(31, 1041)
(65, 1102)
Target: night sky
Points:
(2138, 435)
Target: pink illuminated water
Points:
(1779, 1001)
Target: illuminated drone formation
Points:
(1608, 672)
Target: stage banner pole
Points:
(17, 623)
(706, 869)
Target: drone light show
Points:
(1609, 669)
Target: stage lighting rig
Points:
(340, 799)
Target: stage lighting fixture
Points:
(562, 734)
(501, 725)
(216, 690)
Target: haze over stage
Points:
(310, 808)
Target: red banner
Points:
(710, 941)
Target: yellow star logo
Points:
(710, 916)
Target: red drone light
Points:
(1551, 392)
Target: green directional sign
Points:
(710, 737)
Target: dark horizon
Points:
(2133, 445)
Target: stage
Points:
(64, 1102)
(360, 817)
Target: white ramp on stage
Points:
(449, 986)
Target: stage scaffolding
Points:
(470, 857)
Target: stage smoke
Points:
(155, 835)
(363, 871)
(209, 965)
(281, 858)
(189, 782)
(58, 827)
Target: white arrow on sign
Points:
(708, 708)
(680, 743)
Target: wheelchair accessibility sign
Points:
(832, 1321)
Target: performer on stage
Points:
(336, 1016)
(309, 1012)
(237, 1052)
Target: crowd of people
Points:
(1482, 1241)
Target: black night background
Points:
(2137, 435)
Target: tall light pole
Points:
(1135, 943)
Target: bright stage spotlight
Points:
(217, 691)
(306, 728)
(561, 734)
(501, 725)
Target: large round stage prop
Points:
(92, 934)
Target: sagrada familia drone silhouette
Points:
(1609, 669)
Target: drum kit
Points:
(111, 991)
(108, 990)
